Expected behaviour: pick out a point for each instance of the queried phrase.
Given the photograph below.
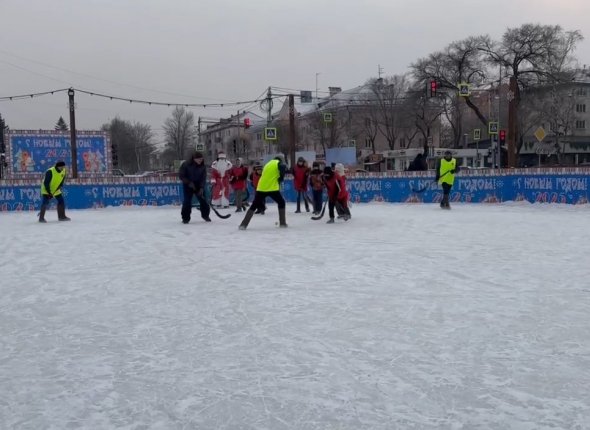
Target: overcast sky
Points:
(205, 51)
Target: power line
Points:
(91, 77)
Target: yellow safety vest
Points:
(447, 166)
(56, 180)
(269, 181)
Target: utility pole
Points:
(512, 126)
(316, 85)
(379, 70)
(73, 134)
(292, 129)
(269, 115)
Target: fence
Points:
(567, 185)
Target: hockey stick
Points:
(317, 217)
(427, 187)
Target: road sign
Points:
(540, 134)
(493, 127)
(327, 117)
(477, 134)
(464, 89)
(270, 133)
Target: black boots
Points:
(61, 213)
(42, 213)
(282, 218)
(246, 220)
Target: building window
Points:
(581, 92)
(580, 108)
(580, 125)
(368, 142)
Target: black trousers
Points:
(317, 200)
(260, 197)
(187, 204)
(446, 188)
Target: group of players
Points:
(266, 180)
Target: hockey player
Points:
(51, 186)
(220, 178)
(238, 175)
(254, 179)
(193, 175)
(446, 168)
(317, 187)
(269, 185)
(300, 179)
(337, 194)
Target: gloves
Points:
(192, 186)
(200, 193)
(453, 172)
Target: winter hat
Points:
(198, 154)
(339, 168)
(280, 157)
(239, 161)
(328, 171)
(301, 160)
(315, 164)
(221, 154)
(60, 163)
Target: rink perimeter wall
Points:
(565, 185)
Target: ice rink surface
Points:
(405, 317)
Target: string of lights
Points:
(138, 101)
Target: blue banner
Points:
(32, 153)
(564, 188)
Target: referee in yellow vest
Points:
(269, 185)
(446, 168)
(51, 187)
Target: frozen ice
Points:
(404, 317)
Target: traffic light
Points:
(433, 88)
(502, 137)
(114, 155)
(247, 123)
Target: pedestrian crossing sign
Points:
(270, 133)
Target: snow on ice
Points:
(405, 317)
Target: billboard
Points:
(30, 153)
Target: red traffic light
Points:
(247, 123)
(502, 135)
(433, 87)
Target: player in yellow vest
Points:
(446, 168)
(50, 188)
(269, 185)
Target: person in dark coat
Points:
(193, 175)
(418, 164)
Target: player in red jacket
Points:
(337, 194)
(238, 175)
(300, 180)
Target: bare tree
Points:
(141, 136)
(460, 62)
(131, 144)
(387, 101)
(180, 132)
(534, 55)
